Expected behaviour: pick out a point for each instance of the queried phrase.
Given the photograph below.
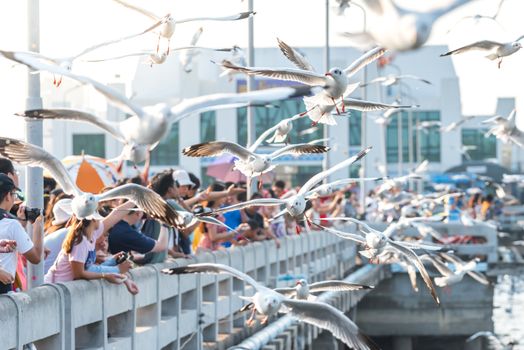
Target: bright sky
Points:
(69, 26)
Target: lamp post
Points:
(34, 134)
(251, 126)
(327, 58)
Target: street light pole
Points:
(34, 134)
(251, 123)
(325, 161)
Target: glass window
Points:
(429, 138)
(480, 147)
(208, 126)
(166, 153)
(89, 144)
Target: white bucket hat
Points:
(182, 177)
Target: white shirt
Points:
(13, 230)
(53, 242)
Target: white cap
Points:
(62, 211)
(182, 177)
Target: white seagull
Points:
(84, 204)
(493, 341)
(505, 129)
(268, 302)
(148, 125)
(393, 79)
(250, 163)
(378, 243)
(335, 82)
(454, 125)
(186, 57)
(468, 267)
(399, 181)
(167, 23)
(238, 57)
(425, 125)
(478, 17)
(494, 50)
(295, 205)
(398, 28)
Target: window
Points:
(89, 144)
(429, 138)
(482, 147)
(208, 126)
(266, 118)
(355, 128)
(166, 153)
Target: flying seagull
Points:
(494, 50)
(268, 302)
(167, 23)
(392, 79)
(84, 204)
(147, 126)
(505, 129)
(454, 125)
(478, 17)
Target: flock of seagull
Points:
(326, 96)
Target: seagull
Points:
(268, 302)
(493, 341)
(400, 29)
(282, 129)
(67, 62)
(304, 291)
(424, 126)
(250, 163)
(238, 57)
(329, 188)
(342, 6)
(505, 129)
(296, 204)
(84, 205)
(147, 126)
(495, 50)
(402, 180)
(392, 79)
(454, 125)
(335, 82)
(167, 23)
(159, 58)
(478, 17)
(377, 243)
(465, 149)
(450, 277)
(186, 58)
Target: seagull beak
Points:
(329, 74)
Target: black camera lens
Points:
(32, 213)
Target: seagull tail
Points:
(177, 270)
(368, 341)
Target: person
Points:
(259, 230)
(486, 209)
(12, 230)
(78, 252)
(279, 188)
(56, 233)
(7, 167)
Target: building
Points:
(168, 83)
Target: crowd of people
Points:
(121, 237)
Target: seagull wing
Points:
(113, 96)
(213, 269)
(196, 36)
(290, 74)
(364, 60)
(368, 106)
(329, 318)
(299, 149)
(262, 202)
(295, 56)
(345, 235)
(27, 154)
(336, 286)
(477, 276)
(484, 45)
(227, 100)
(132, 54)
(414, 259)
(235, 17)
(216, 148)
(288, 292)
(442, 268)
(147, 200)
(76, 115)
(321, 176)
(414, 77)
(139, 9)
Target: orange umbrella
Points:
(91, 174)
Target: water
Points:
(508, 312)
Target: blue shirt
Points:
(233, 219)
(124, 238)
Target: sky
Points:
(68, 26)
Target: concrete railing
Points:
(512, 218)
(194, 311)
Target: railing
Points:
(512, 218)
(170, 311)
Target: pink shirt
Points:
(206, 242)
(83, 252)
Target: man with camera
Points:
(12, 230)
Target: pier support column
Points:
(402, 343)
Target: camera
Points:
(123, 257)
(32, 213)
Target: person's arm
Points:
(145, 173)
(212, 196)
(34, 255)
(216, 237)
(270, 235)
(116, 215)
(162, 242)
(79, 273)
(6, 277)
